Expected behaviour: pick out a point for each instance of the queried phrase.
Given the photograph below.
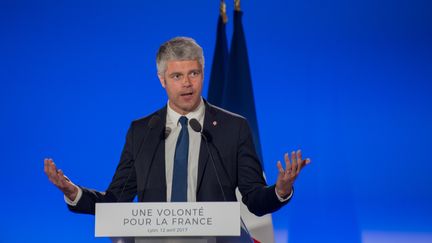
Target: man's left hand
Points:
(288, 175)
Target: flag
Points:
(220, 60)
(238, 94)
(238, 97)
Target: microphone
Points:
(154, 121)
(196, 126)
(167, 132)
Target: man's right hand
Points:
(57, 177)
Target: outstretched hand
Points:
(57, 177)
(287, 176)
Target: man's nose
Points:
(186, 81)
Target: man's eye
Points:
(176, 76)
(194, 73)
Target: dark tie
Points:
(179, 182)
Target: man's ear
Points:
(162, 80)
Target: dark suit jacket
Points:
(236, 161)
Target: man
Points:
(165, 159)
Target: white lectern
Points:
(191, 222)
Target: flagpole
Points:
(222, 11)
(237, 5)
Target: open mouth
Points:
(187, 94)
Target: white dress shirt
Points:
(172, 121)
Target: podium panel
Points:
(167, 219)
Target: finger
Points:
(53, 175)
(299, 161)
(62, 178)
(67, 178)
(60, 173)
(287, 163)
(305, 162)
(280, 168)
(53, 178)
(293, 162)
(52, 169)
(46, 166)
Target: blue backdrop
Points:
(349, 82)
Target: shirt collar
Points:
(173, 117)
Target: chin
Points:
(192, 106)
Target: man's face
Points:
(183, 82)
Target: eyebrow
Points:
(180, 73)
(195, 70)
(175, 73)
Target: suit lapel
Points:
(153, 158)
(209, 118)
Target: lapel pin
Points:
(214, 123)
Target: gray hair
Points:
(178, 49)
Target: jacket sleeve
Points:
(257, 196)
(122, 188)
